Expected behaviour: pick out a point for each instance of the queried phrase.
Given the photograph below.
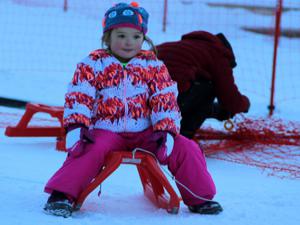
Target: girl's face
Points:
(126, 42)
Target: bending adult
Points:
(202, 65)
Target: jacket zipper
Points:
(124, 97)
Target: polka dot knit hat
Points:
(126, 15)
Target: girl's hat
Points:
(126, 15)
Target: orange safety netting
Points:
(268, 143)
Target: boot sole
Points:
(58, 209)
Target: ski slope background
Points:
(247, 194)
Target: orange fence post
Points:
(65, 5)
(276, 40)
(165, 15)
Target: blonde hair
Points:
(106, 42)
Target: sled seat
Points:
(155, 184)
(23, 130)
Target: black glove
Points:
(220, 113)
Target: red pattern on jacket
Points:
(106, 95)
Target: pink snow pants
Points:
(186, 162)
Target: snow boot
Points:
(209, 207)
(58, 204)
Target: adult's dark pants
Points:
(196, 106)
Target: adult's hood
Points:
(211, 39)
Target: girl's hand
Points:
(165, 143)
(169, 144)
(76, 141)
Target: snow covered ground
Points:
(247, 194)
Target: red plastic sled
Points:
(23, 130)
(155, 184)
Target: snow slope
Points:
(247, 195)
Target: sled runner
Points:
(23, 130)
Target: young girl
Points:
(122, 97)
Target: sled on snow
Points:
(23, 130)
(155, 184)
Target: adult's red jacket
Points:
(200, 54)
